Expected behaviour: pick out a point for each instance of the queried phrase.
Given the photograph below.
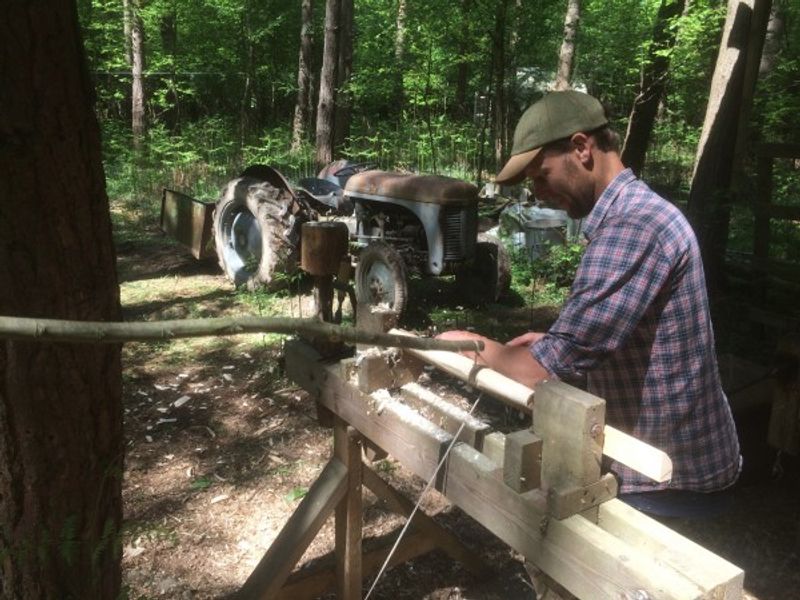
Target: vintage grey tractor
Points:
(399, 224)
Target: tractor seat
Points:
(432, 189)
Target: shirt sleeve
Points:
(621, 275)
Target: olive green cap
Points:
(556, 116)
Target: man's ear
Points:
(581, 147)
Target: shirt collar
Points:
(605, 201)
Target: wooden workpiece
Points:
(623, 553)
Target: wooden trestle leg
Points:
(338, 490)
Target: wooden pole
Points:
(347, 449)
(102, 332)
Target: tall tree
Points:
(709, 196)
(326, 106)
(61, 444)
(499, 104)
(566, 56)
(399, 52)
(343, 72)
(652, 85)
(137, 73)
(302, 108)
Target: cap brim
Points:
(514, 171)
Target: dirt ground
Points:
(221, 447)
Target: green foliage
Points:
(201, 483)
(295, 494)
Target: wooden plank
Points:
(590, 562)
(349, 514)
(494, 448)
(425, 524)
(718, 578)
(507, 390)
(522, 461)
(275, 566)
(319, 577)
(587, 560)
(445, 415)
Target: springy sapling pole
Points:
(100, 332)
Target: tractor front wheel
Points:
(381, 277)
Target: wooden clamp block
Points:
(570, 423)
(567, 502)
(374, 320)
(522, 461)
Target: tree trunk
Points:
(709, 196)
(137, 69)
(127, 17)
(499, 70)
(61, 444)
(462, 67)
(327, 85)
(302, 108)
(773, 40)
(344, 70)
(566, 56)
(399, 55)
(246, 108)
(169, 43)
(651, 89)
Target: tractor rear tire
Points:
(489, 276)
(256, 234)
(381, 277)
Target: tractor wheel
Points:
(489, 276)
(256, 234)
(381, 277)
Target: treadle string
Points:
(422, 495)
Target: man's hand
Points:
(515, 362)
(526, 339)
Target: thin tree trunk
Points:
(499, 104)
(462, 67)
(246, 109)
(345, 69)
(400, 54)
(709, 196)
(169, 43)
(566, 56)
(137, 72)
(652, 85)
(327, 85)
(127, 18)
(773, 40)
(61, 444)
(302, 108)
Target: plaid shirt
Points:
(637, 326)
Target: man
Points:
(636, 324)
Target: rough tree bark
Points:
(327, 85)
(137, 73)
(566, 56)
(651, 87)
(61, 443)
(709, 195)
(126, 30)
(343, 72)
(302, 108)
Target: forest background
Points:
(190, 92)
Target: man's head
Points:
(557, 143)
